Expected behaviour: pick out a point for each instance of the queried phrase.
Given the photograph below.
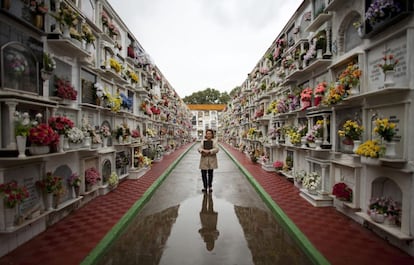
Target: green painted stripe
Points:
(313, 254)
(117, 230)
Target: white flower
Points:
(75, 135)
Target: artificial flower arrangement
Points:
(320, 89)
(92, 176)
(281, 106)
(306, 94)
(42, 135)
(75, 34)
(150, 132)
(74, 180)
(66, 16)
(274, 133)
(342, 191)
(315, 132)
(60, 124)
(13, 194)
(132, 75)
(22, 123)
(350, 76)
(75, 135)
(17, 63)
(135, 134)
(96, 137)
(104, 18)
(114, 64)
(252, 131)
(64, 89)
(336, 93)
(389, 63)
(126, 101)
(155, 110)
(300, 175)
(311, 181)
(294, 136)
(113, 30)
(50, 184)
(302, 129)
(385, 129)
(379, 10)
(386, 206)
(87, 34)
(370, 148)
(105, 131)
(113, 180)
(352, 130)
(259, 113)
(278, 165)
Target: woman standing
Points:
(208, 161)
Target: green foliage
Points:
(207, 96)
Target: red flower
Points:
(342, 191)
(43, 134)
(60, 124)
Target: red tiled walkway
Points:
(70, 240)
(339, 239)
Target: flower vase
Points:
(21, 145)
(39, 149)
(360, 32)
(318, 144)
(389, 78)
(317, 100)
(319, 54)
(348, 144)
(378, 217)
(10, 217)
(75, 192)
(311, 144)
(120, 140)
(303, 142)
(66, 32)
(61, 143)
(354, 90)
(356, 145)
(105, 142)
(49, 202)
(305, 104)
(87, 142)
(66, 143)
(390, 149)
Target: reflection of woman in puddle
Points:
(208, 218)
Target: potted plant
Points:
(342, 191)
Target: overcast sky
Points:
(199, 44)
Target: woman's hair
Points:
(212, 132)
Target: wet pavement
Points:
(181, 225)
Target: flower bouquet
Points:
(336, 93)
(350, 76)
(64, 89)
(342, 191)
(306, 94)
(351, 129)
(60, 124)
(311, 182)
(92, 176)
(113, 180)
(370, 148)
(320, 89)
(87, 34)
(13, 194)
(385, 129)
(380, 10)
(105, 131)
(17, 63)
(74, 180)
(49, 63)
(389, 63)
(114, 64)
(75, 135)
(278, 165)
(50, 184)
(22, 123)
(135, 134)
(385, 208)
(43, 135)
